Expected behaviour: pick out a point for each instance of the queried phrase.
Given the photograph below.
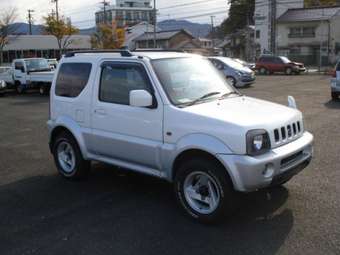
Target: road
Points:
(118, 213)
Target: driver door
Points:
(20, 72)
(120, 131)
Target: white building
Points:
(126, 13)
(25, 46)
(266, 13)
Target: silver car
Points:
(237, 74)
(335, 82)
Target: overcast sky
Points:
(82, 11)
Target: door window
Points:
(118, 80)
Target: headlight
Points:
(239, 73)
(2, 84)
(258, 142)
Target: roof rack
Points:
(158, 50)
(123, 53)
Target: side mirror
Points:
(140, 98)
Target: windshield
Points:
(231, 63)
(285, 60)
(186, 80)
(37, 64)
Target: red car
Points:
(274, 64)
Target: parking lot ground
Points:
(117, 213)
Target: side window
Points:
(338, 66)
(117, 81)
(72, 79)
(277, 60)
(18, 66)
(263, 60)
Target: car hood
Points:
(230, 119)
(245, 111)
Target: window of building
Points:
(301, 32)
(118, 80)
(72, 79)
(258, 33)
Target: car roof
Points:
(115, 55)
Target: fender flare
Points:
(74, 128)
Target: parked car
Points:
(335, 82)
(236, 74)
(246, 64)
(173, 116)
(2, 87)
(268, 64)
(28, 73)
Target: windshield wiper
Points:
(203, 97)
(230, 93)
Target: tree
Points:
(7, 28)
(241, 14)
(106, 37)
(61, 29)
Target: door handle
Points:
(100, 111)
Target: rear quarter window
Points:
(72, 79)
(338, 66)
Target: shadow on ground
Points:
(118, 213)
(333, 104)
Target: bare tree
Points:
(7, 27)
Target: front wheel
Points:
(204, 190)
(289, 71)
(231, 80)
(20, 89)
(68, 158)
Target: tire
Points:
(200, 178)
(263, 71)
(19, 89)
(335, 96)
(231, 80)
(71, 165)
(288, 71)
(43, 90)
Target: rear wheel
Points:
(204, 190)
(264, 71)
(68, 158)
(335, 96)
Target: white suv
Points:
(174, 116)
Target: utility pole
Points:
(212, 30)
(56, 8)
(273, 27)
(155, 25)
(104, 3)
(30, 20)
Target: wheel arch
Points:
(72, 129)
(197, 153)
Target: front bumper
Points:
(277, 166)
(335, 85)
(244, 81)
(300, 69)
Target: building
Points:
(240, 44)
(303, 32)
(126, 13)
(174, 39)
(266, 13)
(133, 32)
(24, 46)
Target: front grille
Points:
(289, 131)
